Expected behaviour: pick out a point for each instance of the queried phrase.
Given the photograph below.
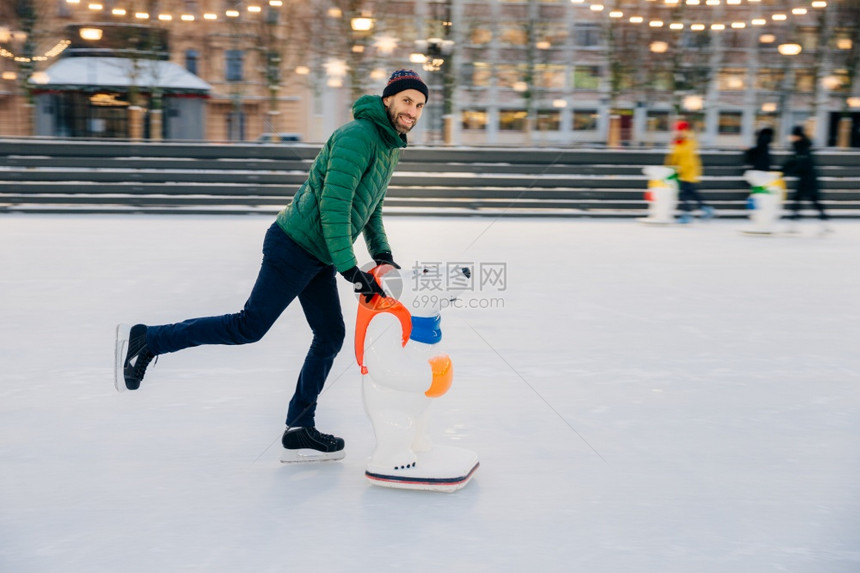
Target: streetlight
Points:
(361, 27)
(361, 24)
(433, 55)
(789, 49)
(659, 47)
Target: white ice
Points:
(642, 399)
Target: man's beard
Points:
(392, 117)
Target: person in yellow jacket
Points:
(684, 157)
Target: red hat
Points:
(682, 126)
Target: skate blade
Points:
(446, 485)
(120, 350)
(308, 455)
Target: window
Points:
(191, 59)
(552, 31)
(730, 123)
(695, 39)
(509, 75)
(804, 80)
(549, 76)
(586, 77)
(513, 33)
(585, 120)
(512, 120)
(480, 35)
(769, 79)
(763, 119)
(586, 35)
(548, 120)
(658, 121)
(477, 74)
(233, 59)
(662, 80)
(732, 80)
(474, 119)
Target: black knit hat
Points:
(405, 80)
(798, 131)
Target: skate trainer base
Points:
(445, 469)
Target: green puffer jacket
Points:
(345, 188)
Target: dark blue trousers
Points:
(688, 192)
(287, 272)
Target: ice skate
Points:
(310, 445)
(708, 213)
(131, 357)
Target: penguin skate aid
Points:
(661, 195)
(767, 194)
(403, 371)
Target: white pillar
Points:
(459, 37)
(748, 126)
(712, 96)
(493, 89)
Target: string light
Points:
(717, 26)
(594, 6)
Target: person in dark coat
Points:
(759, 156)
(802, 165)
(308, 244)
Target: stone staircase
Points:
(121, 177)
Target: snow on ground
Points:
(642, 399)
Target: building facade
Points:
(537, 72)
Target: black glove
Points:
(364, 283)
(385, 259)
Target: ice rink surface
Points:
(681, 399)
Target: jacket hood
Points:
(371, 108)
(765, 137)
